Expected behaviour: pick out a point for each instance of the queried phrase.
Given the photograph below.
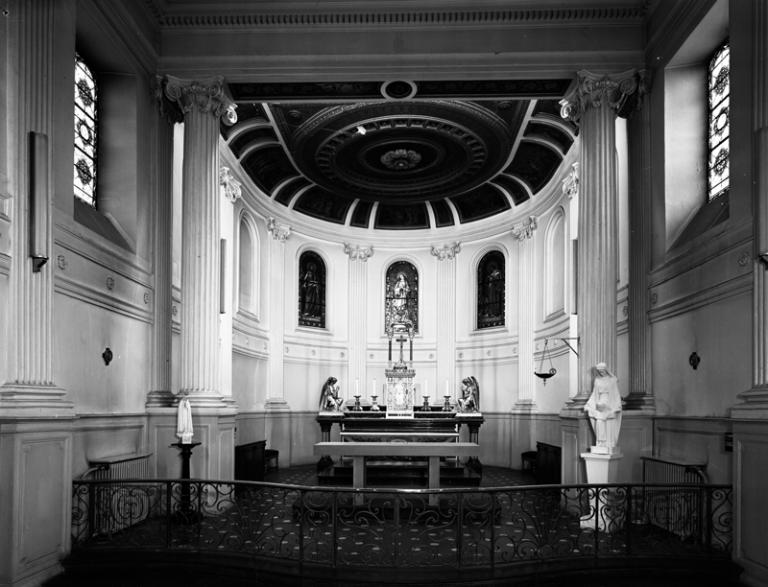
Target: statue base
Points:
(605, 511)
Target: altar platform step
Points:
(393, 473)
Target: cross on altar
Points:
(401, 339)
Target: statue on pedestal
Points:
(470, 395)
(329, 396)
(604, 409)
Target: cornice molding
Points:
(301, 18)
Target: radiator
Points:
(117, 505)
(675, 509)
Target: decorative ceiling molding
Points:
(301, 18)
(446, 251)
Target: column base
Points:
(523, 407)
(160, 399)
(35, 401)
(753, 406)
(209, 400)
(276, 405)
(644, 403)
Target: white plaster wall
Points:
(85, 330)
(719, 333)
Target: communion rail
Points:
(400, 535)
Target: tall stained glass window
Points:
(490, 290)
(719, 122)
(86, 111)
(401, 310)
(311, 290)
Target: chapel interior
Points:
(231, 203)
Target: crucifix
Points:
(401, 339)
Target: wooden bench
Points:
(359, 451)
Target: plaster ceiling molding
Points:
(348, 153)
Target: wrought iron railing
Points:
(400, 528)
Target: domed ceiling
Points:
(400, 154)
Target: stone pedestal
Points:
(605, 512)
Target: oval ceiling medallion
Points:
(402, 151)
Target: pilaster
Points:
(203, 103)
(30, 390)
(640, 238)
(526, 300)
(160, 394)
(276, 250)
(446, 317)
(358, 327)
(750, 415)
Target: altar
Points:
(400, 443)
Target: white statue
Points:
(329, 396)
(604, 409)
(184, 430)
(470, 395)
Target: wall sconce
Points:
(694, 360)
(107, 356)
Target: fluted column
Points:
(160, 387)
(358, 327)
(526, 300)
(754, 401)
(594, 101)
(446, 321)
(640, 238)
(203, 103)
(30, 388)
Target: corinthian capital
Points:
(446, 251)
(232, 187)
(206, 95)
(358, 252)
(524, 230)
(621, 91)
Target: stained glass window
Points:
(401, 310)
(311, 290)
(86, 102)
(719, 122)
(490, 290)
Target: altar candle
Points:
(446, 387)
(357, 387)
(426, 387)
(374, 386)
